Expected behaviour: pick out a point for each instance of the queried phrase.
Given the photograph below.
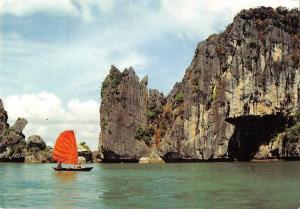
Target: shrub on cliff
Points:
(144, 134)
(83, 147)
(113, 81)
(151, 114)
(154, 110)
(179, 97)
(292, 134)
(105, 84)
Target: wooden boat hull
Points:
(73, 169)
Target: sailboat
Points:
(65, 151)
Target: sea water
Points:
(193, 185)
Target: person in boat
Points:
(58, 165)
(78, 166)
(65, 151)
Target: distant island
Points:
(14, 147)
(239, 99)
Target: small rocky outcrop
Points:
(35, 143)
(85, 152)
(96, 155)
(37, 151)
(153, 158)
(240, 91)
(13, 147)
(81, 160)
(12, 140)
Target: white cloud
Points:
(190, 15)
(80, 8)
(194, 18)
(47, 116)
(132, 59)
(27, 7)
(82, 64)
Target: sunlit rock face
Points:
(251, 69)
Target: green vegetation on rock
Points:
(179, 97)
(105, 84)
(152, 114)
(154, 110)
(292, 134)
(112, 80)
(104, 124)
(84, 146)
(116, 80)
(144, 134)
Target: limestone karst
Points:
(240, 91)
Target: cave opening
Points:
(253, 131)
(112, 157)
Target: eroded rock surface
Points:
(123, 111)
(96, 155)
(3, 118)
(240, 91)
(13, 147)
(152, 158)
(12, 140)
(37, 151)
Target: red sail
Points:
(65, 149)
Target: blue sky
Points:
(56, 53)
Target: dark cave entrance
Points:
(112, 157)
(253, 131)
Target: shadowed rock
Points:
(3, 118)
(37, 151)
(12, 142)
(96, 157)
(35, 143)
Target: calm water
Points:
(202, 185)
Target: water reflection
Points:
(66, 176)
(66, 195)
(207, 185)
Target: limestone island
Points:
(239, 99)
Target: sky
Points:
(54, 54)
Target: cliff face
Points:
(14, 148)
(123, 110)
(37, 151)
(12, 140)
(240, 91)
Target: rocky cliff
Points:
(123, 111)
(12, 140)
(14, 148)
(240, 91)
(37, 151)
